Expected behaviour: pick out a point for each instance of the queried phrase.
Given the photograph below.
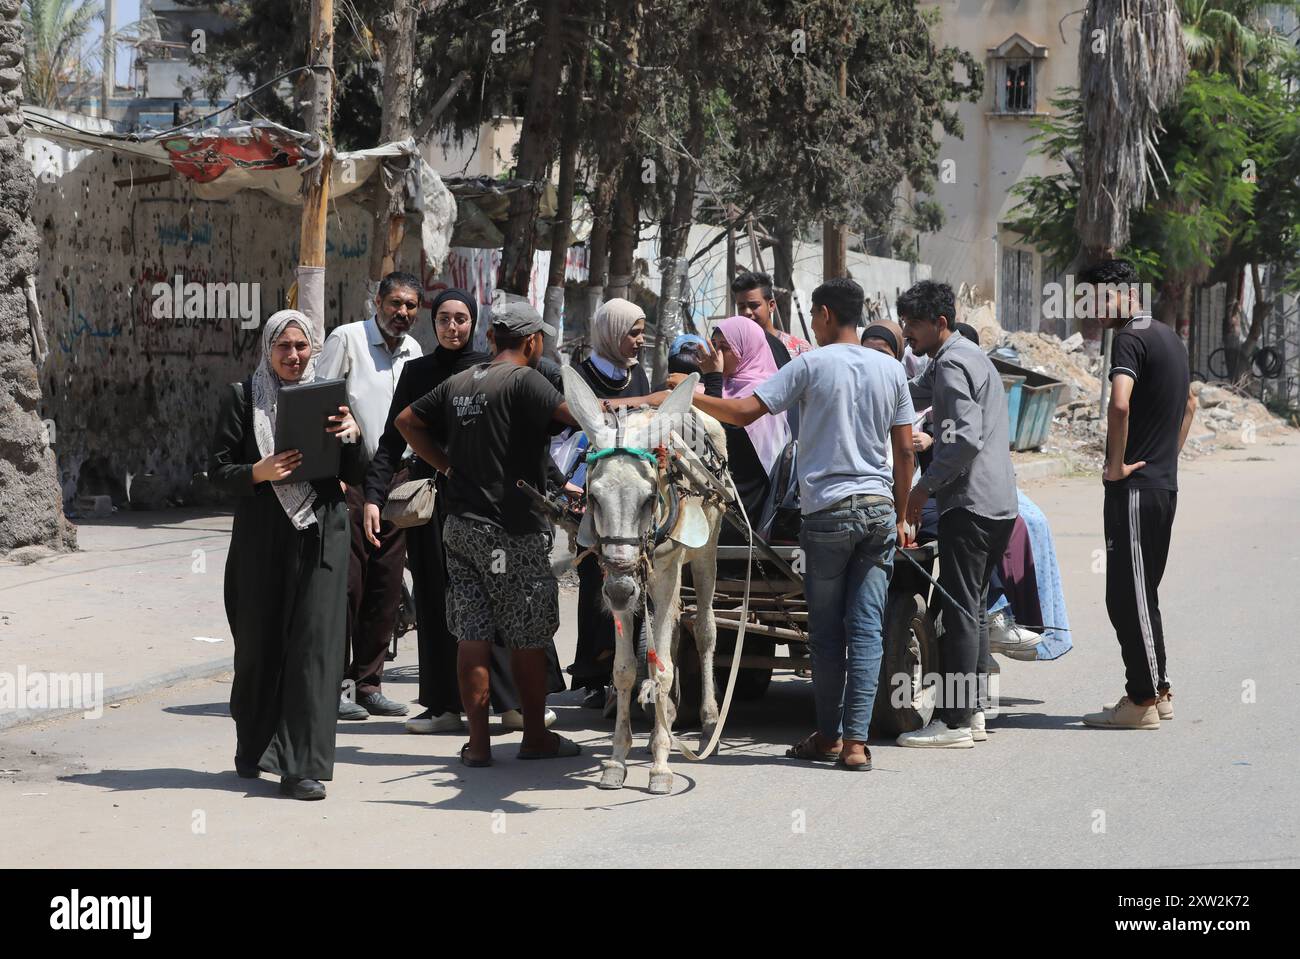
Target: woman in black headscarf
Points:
(455, 314)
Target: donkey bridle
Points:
(654, 537)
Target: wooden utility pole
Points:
(107, 82)
(316, 181)
(396, 32)
(835, 237)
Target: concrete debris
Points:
(93, 507)
(1044, 353)
(1078, 433)
(1211, 396)
(26, 555)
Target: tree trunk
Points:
(673, 236)
(1232, 334)
(783, 277)
(624, 230)
(31, 504)
(618, 116)
(835, 236)
(570, 134)
(396, 32)
(536, 145)
(1258, 315)
(1169, 303)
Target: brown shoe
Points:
(1125, 714)
(849, 759)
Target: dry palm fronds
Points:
(1132, 64)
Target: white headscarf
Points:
(297, 499)
(612, 322)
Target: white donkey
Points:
(644, 523)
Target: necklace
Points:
(605, 380)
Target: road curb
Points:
(1042, 469)
(23, 717)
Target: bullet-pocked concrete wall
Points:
(132, 394)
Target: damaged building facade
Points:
(152, 299)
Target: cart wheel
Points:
(904, 701)
(751, 684)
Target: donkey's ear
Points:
(586, 409)
(679, 400)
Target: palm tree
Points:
(31, 506)
(1229, 35)
(1132, 64)
(53, 31)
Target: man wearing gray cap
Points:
(485, 429)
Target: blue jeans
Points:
(848, 553)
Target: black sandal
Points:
(466, 760)
(807, 750)
(564, 749)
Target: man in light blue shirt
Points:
(854, 406)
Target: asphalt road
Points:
(151, 781)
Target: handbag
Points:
(410, 504)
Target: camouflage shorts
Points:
(500, 586)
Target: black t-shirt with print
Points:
(1152, 354)
(494, 420)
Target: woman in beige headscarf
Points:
(612, 370)
(614, 366)
(286, 571)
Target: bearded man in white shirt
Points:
(370, 355)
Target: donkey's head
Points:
(623, 482)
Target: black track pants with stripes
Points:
(1138, 523)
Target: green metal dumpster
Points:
(1014, 387)
(1039, 395)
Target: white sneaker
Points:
(1007, 638)
(978, 731)
(514, 719)
(442, 723)
(938, 735)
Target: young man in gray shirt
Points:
(854, 405)
(972, 478)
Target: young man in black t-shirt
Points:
(1150, 412)
(487, 428)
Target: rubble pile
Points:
(1224, 416)
(1061, 360)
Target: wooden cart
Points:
(778, 619)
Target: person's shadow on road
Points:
(138, 780)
